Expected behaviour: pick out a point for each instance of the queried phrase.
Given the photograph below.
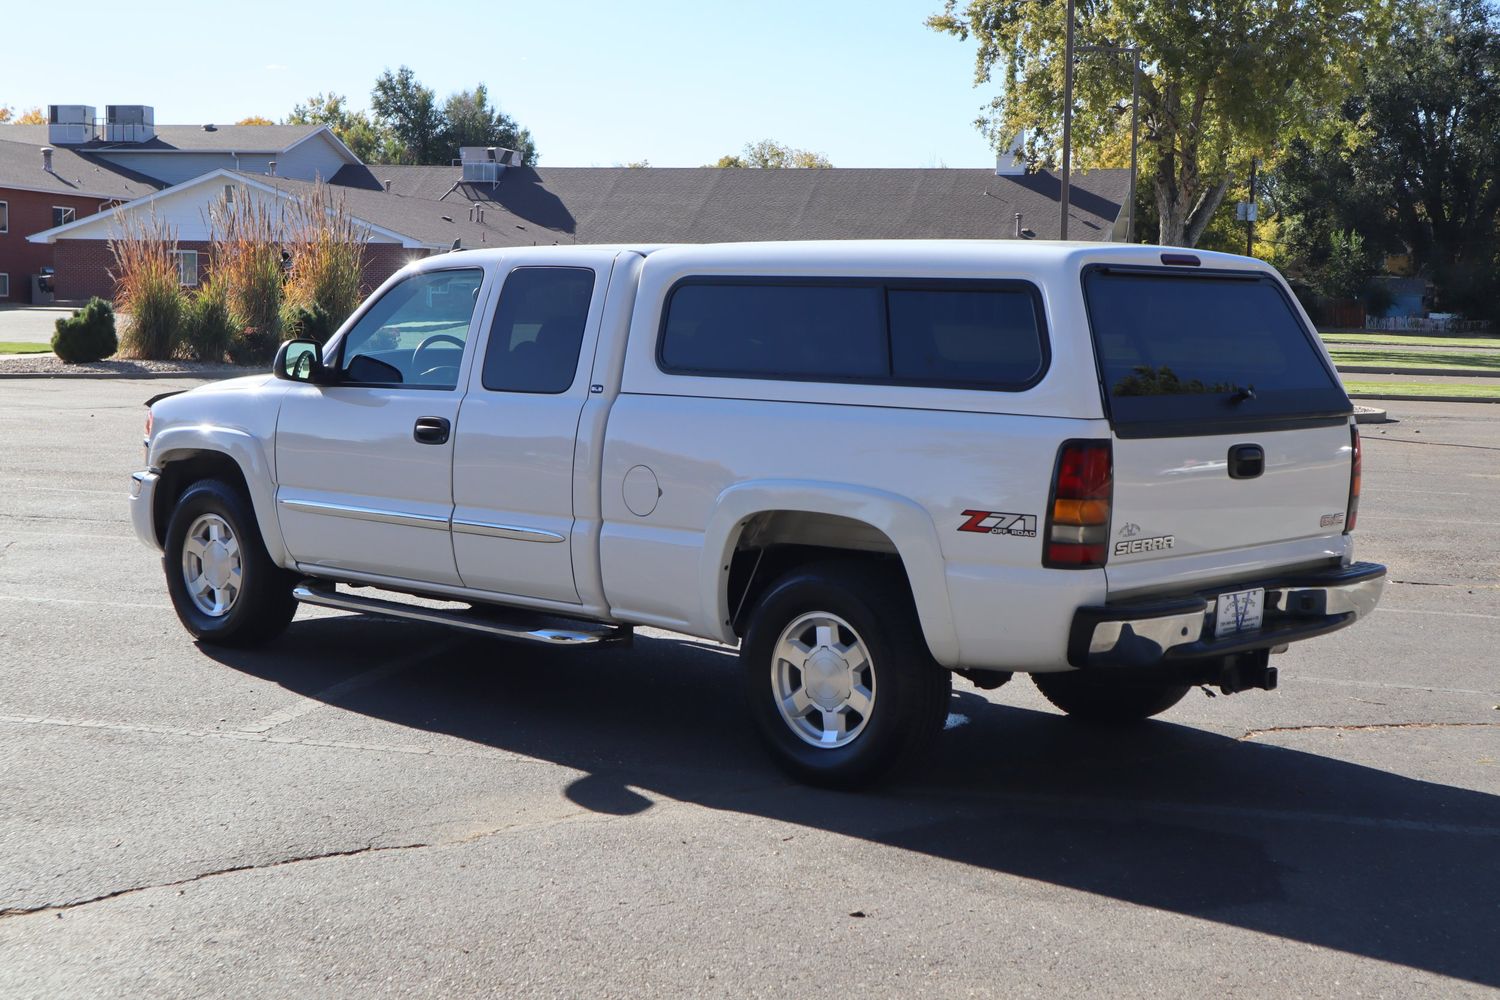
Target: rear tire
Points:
(837, 675)
(224, 586)
(1106, 700)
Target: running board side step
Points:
(524, 625)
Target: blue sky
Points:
(677, 83)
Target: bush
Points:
(208, 328)
(247, 261)
(1350, 266)
(149, 288)
(328, 250)
(87, 335)
(311, 323)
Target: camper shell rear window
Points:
(1205, 352)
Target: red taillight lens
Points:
(1355, 470)
(1078, 519)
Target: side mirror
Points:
(300, 361)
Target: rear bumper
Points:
(142, 499)
(1180, 628)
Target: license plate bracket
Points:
(1239, 611)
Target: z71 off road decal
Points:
(995, 522)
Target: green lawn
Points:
(17, 347)
(1403, 340)
(1399, 390)
(1414, 359)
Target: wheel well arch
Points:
(771, 543)
(179, 470)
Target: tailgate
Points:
(1175, 496)
(1231, 428)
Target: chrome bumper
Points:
(1143, 633)
(142, 505)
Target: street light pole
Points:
(1067, 149)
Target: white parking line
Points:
(79, 600)
(313, 702)
(1451, 614)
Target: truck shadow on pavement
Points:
(1254, 836)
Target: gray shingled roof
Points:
(223, 139)
(72, 173)
(711, 205)
(428, 220)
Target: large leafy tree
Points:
(1223, 81)
(353, 128)
(770, 154)
(1411, 159)
(470, 120)
(409, 111)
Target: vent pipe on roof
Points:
(271, 167)
(47, 158)
(1018, 225)
(387, 184)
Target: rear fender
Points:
(904, 522)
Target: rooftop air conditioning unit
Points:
(70, 124)
(483, 164)
(129, 123)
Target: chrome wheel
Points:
(212, 566)
(823, 679)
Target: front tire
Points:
(223, 584)
(1105, 700)
(837, 676)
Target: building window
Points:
(4, 217)
(4, 286)
(62, 216)
(187, 266)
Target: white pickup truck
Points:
(1124, 470)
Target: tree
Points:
(255, 120)
(5, 114)
(353, 128)
(470, 120)
(1431, 140)
(770, 154)
(408, 111)
(1411, 161)
(32, 116)
(1220, 83)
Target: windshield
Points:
(1204, 350)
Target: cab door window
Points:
(538, 329)
(414, 335)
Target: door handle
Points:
(431, 430)
(1246, 461)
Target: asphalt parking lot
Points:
(368, 808)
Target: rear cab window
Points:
(1202, 353)
(959, 333)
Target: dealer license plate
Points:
(1240, 611)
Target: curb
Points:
(1447, 372)
(212, 374)
(1371, 415)
(1426, 399)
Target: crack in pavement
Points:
(22, 911)
(1255, 733)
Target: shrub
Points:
(208, 327)
(1350, 266)
(148, 288)
(328, 249)
(87, 335)
(247, 261)
(312, 323)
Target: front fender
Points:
(248, 452)
(904, 522)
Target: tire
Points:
(239, 597)
(863, 630)
(1107, 701)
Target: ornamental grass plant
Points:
(148, 286)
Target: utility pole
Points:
(1067, 150)
(1250, 215)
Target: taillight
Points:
(1354, 475)
(1078, 519)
